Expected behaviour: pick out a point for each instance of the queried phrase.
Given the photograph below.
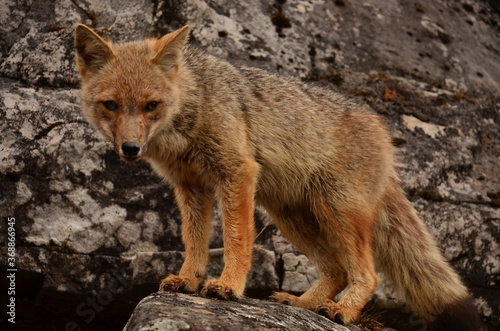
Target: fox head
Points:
(130, 92)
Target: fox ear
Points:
(92, 52)
(169, 49)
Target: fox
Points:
(321, 166)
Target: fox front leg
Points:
(237, 204)
(196, 211)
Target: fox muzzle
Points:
(130, 151)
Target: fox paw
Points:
(283, 298)
(340, 315)
(216, 289)
(177, 284)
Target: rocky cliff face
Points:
(95, 235)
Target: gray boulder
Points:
(172, 311)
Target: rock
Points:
(299, 273)
(91, 229)
(150, 267)
(173, 311)
(83, 282)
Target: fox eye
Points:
(110, 105)
(150, 106)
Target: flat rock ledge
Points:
(176, 311)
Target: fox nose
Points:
(130, 148)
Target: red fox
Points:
(319, 164)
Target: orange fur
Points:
(320, 165)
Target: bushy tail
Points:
(408, 256)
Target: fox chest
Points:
(179, 173)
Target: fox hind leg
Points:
(356, 251)
(303, 231)
(326, 287)
(340, 246)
